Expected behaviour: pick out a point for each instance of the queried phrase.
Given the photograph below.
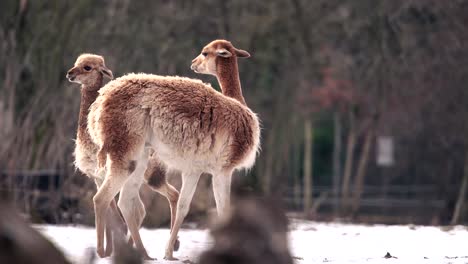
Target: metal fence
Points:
(417, 204)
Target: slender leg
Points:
(172, 196)
(140, 216)
(134, 212)
(114, 221)
(132, 207)
(117, 219)
(189, 184)
(109, 237)
(115, 179)
(155, 177)
(114, 224)
(222, 192)
(115, 227)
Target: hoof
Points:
(101, 253)
(148, 258)
(130, 241)
(176, 244)
(108, 252)
(171, 258)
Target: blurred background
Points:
(364, 104)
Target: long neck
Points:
(89, 94)
(228, 78)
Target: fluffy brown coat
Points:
(91, 81)
(188, 118)
(89, 70)
(219, 58)
(192, 128)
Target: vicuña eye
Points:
(87, 68)
(204, 54)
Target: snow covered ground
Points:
(310, 242)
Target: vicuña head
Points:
(214, 54)
(219, 58)
(88, 69)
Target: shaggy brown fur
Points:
(181, 113)
(157, 175)
(226, 71)
(88, 96)
(219, 58)
(192, 127)
(89, 71)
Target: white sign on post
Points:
(385, 150)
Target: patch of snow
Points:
(310, 242)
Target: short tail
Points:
(155, 176)
(101, 157)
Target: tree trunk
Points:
(308, 133)
(336, 158)
(361, 171)
(296, 173)
(461, 195)
(348, 163)
(266, 182)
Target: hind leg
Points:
(132, 207)
(172, 196)
(114, 223)
(116, 176)
(140, 216)
(134, 212)
(108, 232)
(222, 192)
(155, 176)
(140, 213)
(116, 226)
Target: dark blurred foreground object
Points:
(19, 243)
(124, 252)
(254, 232)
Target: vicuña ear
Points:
(106, 72)
(223, 53)
(242, 53)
